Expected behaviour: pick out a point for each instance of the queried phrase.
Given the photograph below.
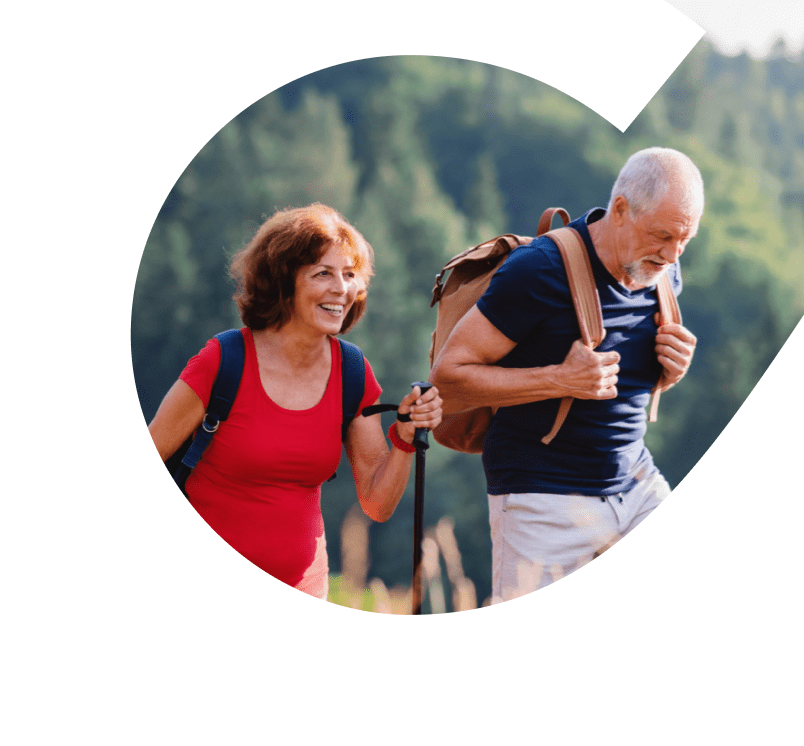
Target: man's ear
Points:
(619, 210)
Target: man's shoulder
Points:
(540, 255)
(532, 274)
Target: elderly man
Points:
(554, 507)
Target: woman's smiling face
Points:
(325, 291)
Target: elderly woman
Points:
(301, 280)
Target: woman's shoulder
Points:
(213, 346)
(209, 354)
(202, 368)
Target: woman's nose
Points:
(340, 284)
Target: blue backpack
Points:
(224, 390)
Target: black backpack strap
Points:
(353, 379)
(224, 391)
(353, 385)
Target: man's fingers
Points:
(676, 331)
(673, 353)
(590, 374)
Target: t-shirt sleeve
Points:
(200, 372)
(372, 389)
(524, 289)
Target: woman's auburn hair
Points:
(265, 269)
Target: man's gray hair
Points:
(646, 177)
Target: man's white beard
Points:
(643, 272)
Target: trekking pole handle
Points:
(420, 437)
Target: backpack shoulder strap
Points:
(582, 286)
(353, 379)
(227, 382)
(585, 298)
(669, 313)
(224, 391)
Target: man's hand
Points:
(675, 347)
(586, 374)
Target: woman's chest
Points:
(293, 390)
(263, 443)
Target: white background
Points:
(157, 567)
(741, 26)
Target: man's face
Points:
(655, 240)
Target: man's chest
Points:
(628, 321)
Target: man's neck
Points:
(600, 233)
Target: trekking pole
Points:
(421, 444)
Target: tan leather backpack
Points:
(471, 273)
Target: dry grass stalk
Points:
(355, 553)
(445, 536)
(382, 598)
(431, 570)
(438, 542)
(401, 599)
(464, 596)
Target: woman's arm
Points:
(380, 475)
(178, 416)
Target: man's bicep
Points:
(475, 340)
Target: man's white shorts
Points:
(538, 538)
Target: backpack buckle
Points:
(210, 427)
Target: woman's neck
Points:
(296, 349)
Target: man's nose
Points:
(672, 252)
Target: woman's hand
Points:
(424, 410)
(381, 474)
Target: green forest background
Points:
(429, 155)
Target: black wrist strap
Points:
(377, 408)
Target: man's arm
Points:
(467, 377)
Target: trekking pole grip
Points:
(420, 437)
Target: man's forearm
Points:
(469, 386)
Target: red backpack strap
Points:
(585, 298)
(669, 313)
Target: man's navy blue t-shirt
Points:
(599, 449)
